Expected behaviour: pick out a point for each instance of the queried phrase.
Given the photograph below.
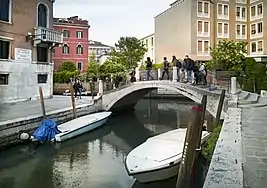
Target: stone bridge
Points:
(127, 96)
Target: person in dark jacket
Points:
(178, 64)
(166, 66)
(118, 79)
(189, 65)
(132, 74)
(80, 89)
(148, 68)
(76, 87)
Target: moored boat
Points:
(158, 158)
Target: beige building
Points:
(149, 42)
(193, 26)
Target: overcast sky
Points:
(111, 19)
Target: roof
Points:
(147, 36)
(98, 44)
(74, 21)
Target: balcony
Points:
(223, 35)
(46, 35)
(203, 34)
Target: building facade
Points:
(149, 43)
(193, 26)
(99, 50)
(27, 39)
(75, 42)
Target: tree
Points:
(128, 52)
(92, 68)
(68, 66)
(228, 55)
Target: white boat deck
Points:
(158, 151)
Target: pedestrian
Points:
(80, 89)
(76, 87)
(189, 65)
(203, 73)
(148, 68)
(132, 74)
(166, 66)
(177, 64)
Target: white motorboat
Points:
(158, 158)
(81, 125)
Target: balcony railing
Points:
(241, 1)
(48, 35)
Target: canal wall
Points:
(226, 167)
(10, 130)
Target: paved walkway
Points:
(28, 108)
(254, 130)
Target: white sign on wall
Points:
(22, 54)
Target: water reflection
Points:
(95, 159)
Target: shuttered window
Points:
(5, 10)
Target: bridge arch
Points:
(130, 94)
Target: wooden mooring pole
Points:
(190, 146)
(73, 101)
(42, 102)
(219, 109)
(92, 89)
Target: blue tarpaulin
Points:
(46, 131)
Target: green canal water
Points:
(95, 159)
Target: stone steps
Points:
(246, 98)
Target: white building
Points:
(149, 42)
(98, 49)
(26, 45)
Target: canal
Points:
(95, 159)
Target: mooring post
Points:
(42, 102)
(73, 101)
(190, 146)
(91, 89)
(219, 109)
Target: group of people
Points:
(187, 66)
(78, 88)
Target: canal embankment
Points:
(27, 116)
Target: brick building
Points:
(75, 42)
(27, 39)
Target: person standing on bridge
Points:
(148, 68)
(166, 66)
(177, 64)
(189, 65)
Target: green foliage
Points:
(68, 66)
(228, 55)
(128, 52)
(64, 76)
(254, 78)
(209, 147)
(92, 68)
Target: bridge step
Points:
(262, 102)
(251, 98)
(243, 95)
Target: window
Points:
(203, 47)
(42, 16)
(42, 54)
(223, 11)
(203, 9)
(256, 11)
(5, 10)
(241, 31)
(42, 78)
(256, 30)
(4, 49)
(79, 34)
(203, 28)
(241, 13)
(253, 47)
(65, 49)
(4, 79)
(66, 33)
(79, 49)
(223, 30)
(260, 46)
(80, 66)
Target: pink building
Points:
(75, 42)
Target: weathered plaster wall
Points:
(23, 81)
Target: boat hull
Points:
(81, 130)
(156, 175)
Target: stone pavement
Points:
(254, 132)
(29, 108)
